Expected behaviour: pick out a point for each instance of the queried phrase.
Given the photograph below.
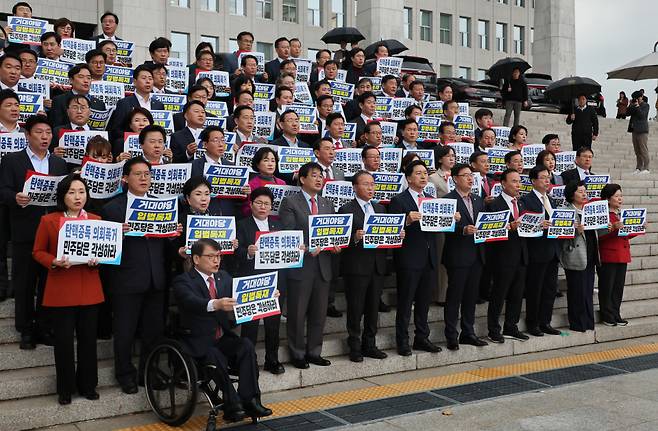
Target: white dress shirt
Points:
(75, 126)
(263, 225)
(308, 201)
(39, 165)
(209, 307)
(16, 129)
(582, 173)
(144, 102)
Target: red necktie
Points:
(213, 295)
(515, 209)
(485, 184)
(314, 206)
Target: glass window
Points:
(501, 37)
(210, 5)
(213, 40)
(264, 9)
(482, 74)
(337, 13)
(180, 45)
(179, 3)
(465, 31)
(519, 39)
(237, 7)
(503, 1)
(289, 10)
(519, 3)
(313, 13)
(407, 16)
(483, 34)
(445, 71)
(465, 72)
(426, 25)
(232, 45)
(265, 48)
(445, 29)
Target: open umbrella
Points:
(342, 34)
(643, 68)
(566, 89)
(394, 47)
(503, 68)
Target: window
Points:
(179, 3)
(445, 71)
(519, 3)
(210, 5)
(426, 25)
(213, 40)
(483, 34)
(503, 1)
(532, 37)
(180, 45)
(465, 31)
(264, 9)
(408, 22)
(465, 72)
(232, 45)
(482, 74)
(501, 37)
(313, 13)
(289, 10)
(237, 7)
(265, 48)
(445, 29)
(519, 39)
(337, 14)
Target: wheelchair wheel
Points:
(170, 378)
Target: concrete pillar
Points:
(554, 47)
(379, 19)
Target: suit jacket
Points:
(272, 68)
(294, 212)
(639, 121)
(99, 38)
(572, 175)
(13, 168)
(614, 248)
(460, 250)
(57, 113)
(339, 175)
(281, 142)
(352, 110)
(192, 297)
(585, 123)
(246, 235)
(180, 122)
(360, 126)
(417, 245)
(143, 260)
(178, 145)
(356, 260)
(198, 165)
(123, 108)
(514, 251)
(542, 249)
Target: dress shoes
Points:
(384, 308)
(254, 409)
(27, 342)
(274, 367)
(356, 356)
(129, 388)
(234, 412)
(64, 399)
(426, 346)
(332, 312)
(622, 322)
(374, 353)
(91, 395)
(515, 334)
(535, 332)
(404, 350)
(548, 329)
(473, 341)
(318, 360)
(496, 338)
(452, 343)
(299, 363)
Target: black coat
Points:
(123, 108)
(356, 260)
(585, 123)
(417, 245)
(514, 251)
(518, 92)
(246, 235)
(272, 68)
(572, 175)
(178, 145)
(57, 113)
(460, 250)
(542, 249)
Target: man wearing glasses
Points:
(80, 78)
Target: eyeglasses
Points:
(215, 256)
(262, 204)
(146, 174)
(78, 108)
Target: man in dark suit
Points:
(508, 261)
(80, 77)
(463, 261)
(308, 286)
(289, 126)
(203, 295)
(584, 157)
(272, 68)
(415, 263)
(143, 81)
(185, 142)
(28, 277)
(638, 126)
(137, 285)
(479, 163)
(543, 255)
(584, 124)
(109, 24)
(195, 92)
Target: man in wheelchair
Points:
(204, 300)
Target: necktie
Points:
(547, 204)
(213, 295)
(469, 206)
(327, 174)
(367, 209)
(314, 206)
(79, 128)
(586, 172)
(485, 185)
(515, 209)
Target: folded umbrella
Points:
(503, 68)
(394, 47)
(342, 34)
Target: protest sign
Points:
(497, 159)
(562, 224)
(107, 92)
(280, 192)
(475, 188)
(74, 50)
(53, 71)
(390, 159)
(349, 135)
(557, 193)
(437, 214)
(120, 74)
(491, 226)
(463, 152)
(12, 142)
(464, 125)
(595, 215)
(348, 160)
(279, 250)
(433, 108)
(80, 240)
(261, 105)
(427, 156)
(260, 58)
(254, 296)
(338, 192)
(564, 160)
(326, 231)
(264, 125)
(41, 189)
(217, 122)
(226, 181)
(341, 91)
(307, 116)
(341, 75)
(400, 104)
(219, 79)
(531, 225)
(496, 190)
(304, 68)
(302, 94)
(463, 108)
(75, 143)
(217, 108)
(247, 151)
(376, 84)
(171, 102)
(164, 119)
(594, 184)
(502, 135)
(389, 132)
(529, 153)
(98, 120)
(152, 217)
(175, 62)
(131, 144)
(526, 184)
(383, 107)
(30, 104)
(26, 30)
(218, 228)
(167, 180)
(293, 158)
(177, 79)
(32, 85)
(383, 230)
(125, 50)
(338, 107)
(264, 91)
(428, 129)
(429, 190)
(633, 221)
(387, 185)
(389, 66)
(103, 179)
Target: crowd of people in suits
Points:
(57, 302)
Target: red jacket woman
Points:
(614, 248)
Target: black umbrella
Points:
(567, 89)
(394, 47)
(342, 34)
(503, 68)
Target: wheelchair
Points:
(173, 380)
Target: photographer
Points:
(638, 126)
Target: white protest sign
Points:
(42, 189)
(152, 217)
(218, 228)
(531, 225)
(327, 231)
(338, 192)
(255, 298)
(596, 215)
(383, 230)
(281, 191)
(491, 226)
(168, 180)
(75, 144)
(279, 250)
(103, 179)
(437, 214)
(80, 240)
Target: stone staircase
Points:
(27, 378)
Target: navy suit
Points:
(57, 114)
(463, 260)
(123, 108)
(415, 264)
(178, 145)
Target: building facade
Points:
(460, 37)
